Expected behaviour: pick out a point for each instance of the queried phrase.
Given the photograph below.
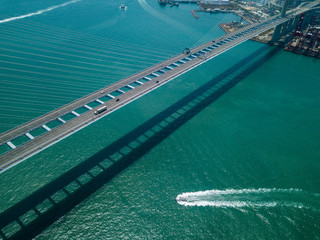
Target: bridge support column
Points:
(281, 30)
(284, 8)
(284, 29)
(307, 19)
(276, 34)
(292, 24)
(278, 30)
(289, 29)
(295, 22)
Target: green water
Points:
(256, 134)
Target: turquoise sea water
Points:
(252, 140)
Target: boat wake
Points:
(39, 12)
(254, 198)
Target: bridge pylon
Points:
(284, 8)
(278, 31)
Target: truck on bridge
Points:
(100, 110)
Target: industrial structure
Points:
(300, 34)
(215, 2)
(306, 41)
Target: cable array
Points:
(43, 67)
(214, 32)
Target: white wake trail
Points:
(39, 12)
(255, 198)
(242, 204)
(239, 191)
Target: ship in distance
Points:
(123, 7)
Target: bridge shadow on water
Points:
(38, 211)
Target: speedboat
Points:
(181, 199)
(123, 7)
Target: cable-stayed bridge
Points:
(117, 95)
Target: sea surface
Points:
(229, 150)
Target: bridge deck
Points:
(179, 65)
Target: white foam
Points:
(241, 204)
(39, 12)
(238, 191)
(242, 198)
(233, 204)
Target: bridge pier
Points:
(293, 23)
(278, 31)
(276, 34)
(290, 26)
(283, 30)
(307, 19)
(284, 8)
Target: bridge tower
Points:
(281, 29)
(284, 8)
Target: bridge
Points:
(119, 94)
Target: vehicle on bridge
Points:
(100, 110)
(186, 51)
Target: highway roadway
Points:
(162, 73)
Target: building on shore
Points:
(215, 2)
